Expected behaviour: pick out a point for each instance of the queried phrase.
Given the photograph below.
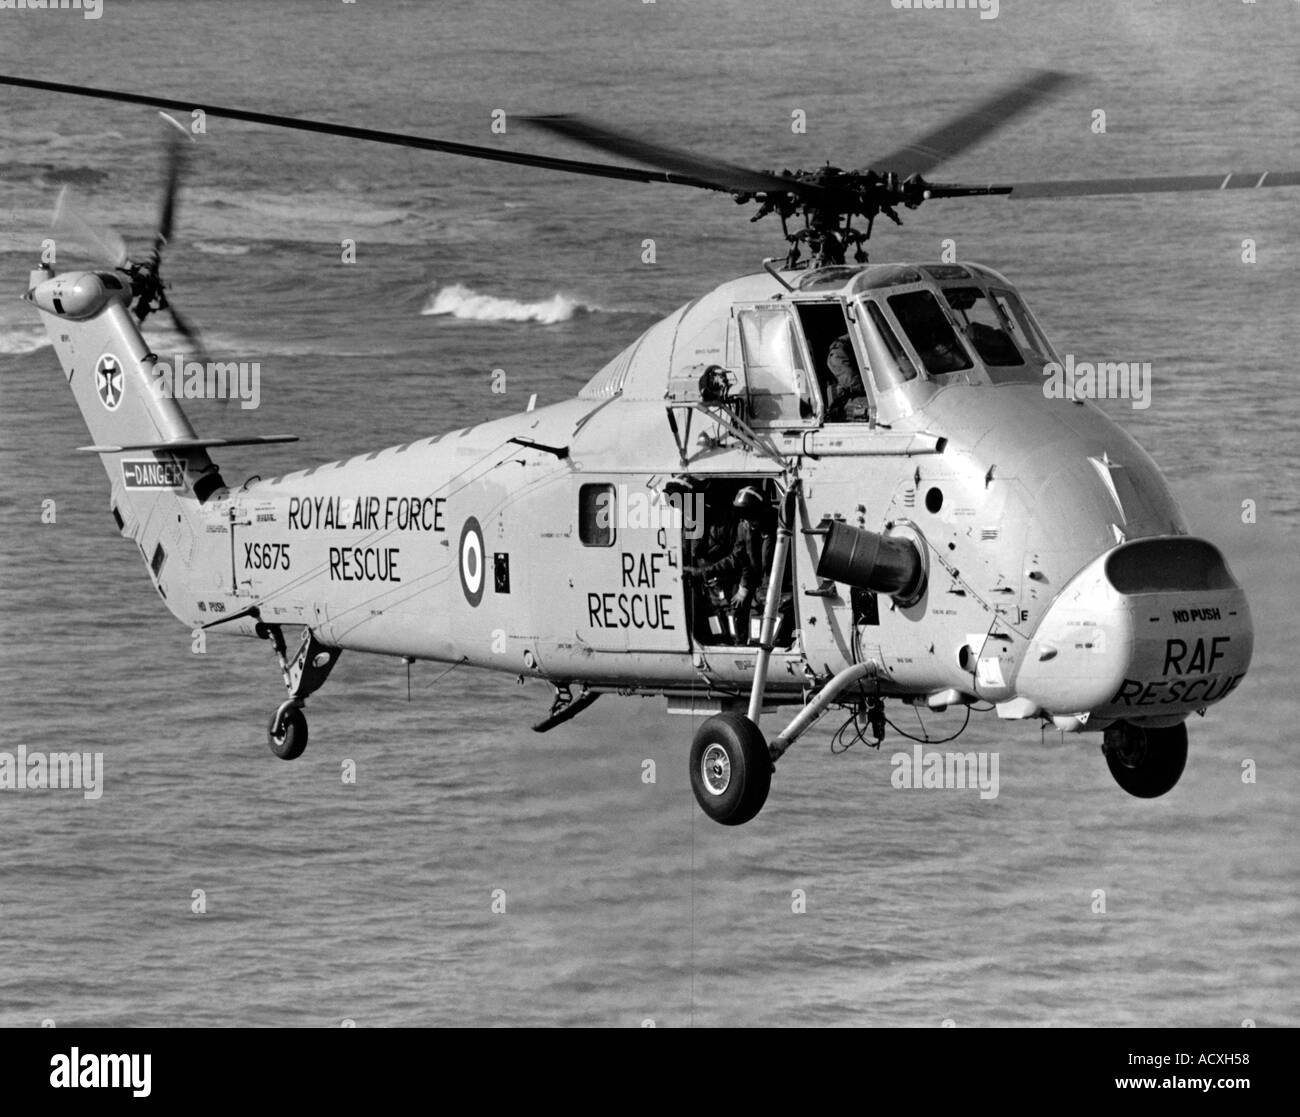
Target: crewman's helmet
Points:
(749, 500)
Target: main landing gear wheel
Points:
(731, 770)
(287, 733)
(1145, 762)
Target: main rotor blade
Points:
(1065, 188)
(370, 135)
(717, 172)
(970, 127)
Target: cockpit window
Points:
(1023, 328)
(929, 331)
(779, 385)
(889, 361)
(984, 326)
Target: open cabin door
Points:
(627, 566)
(780, 388)
(827, 612)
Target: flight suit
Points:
(747, 565)
(846, 379)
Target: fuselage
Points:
(1060, 580)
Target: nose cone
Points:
(1153, 629)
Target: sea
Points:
(477, 873)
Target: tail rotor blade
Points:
(193, 340)
(105, 244)
(175, 155)
(188, 331)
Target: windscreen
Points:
(888, 359)
(931, 334)
(1023, 329)
(984, 326)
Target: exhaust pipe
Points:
(887, 564)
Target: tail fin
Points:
(109, 368)
(159, 486)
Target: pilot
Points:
(935, 341)
(746, 564)
(844, 389)
(993, 344)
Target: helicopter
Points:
(932, 527)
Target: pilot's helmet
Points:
(749, 500)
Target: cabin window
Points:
(931, 334)
(596, 513)
(890, 363)
(985, 327)
(780, 387)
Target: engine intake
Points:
(869, 561)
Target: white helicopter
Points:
(824, 484)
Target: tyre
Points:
(287, 733)
(1145, 762)
(731, 770)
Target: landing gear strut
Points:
(731, 766)
(1145, 762)
(303, 675)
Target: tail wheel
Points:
(1145, 762)
(287, 733)
(731, 770)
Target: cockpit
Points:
(867, 344)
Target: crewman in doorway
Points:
(844, 387)
(746, 565)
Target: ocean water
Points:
(374, 902)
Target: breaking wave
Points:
(459, 301)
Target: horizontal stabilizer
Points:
(190, 444)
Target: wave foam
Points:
(460, 301)
(214, 248)
(19, 341)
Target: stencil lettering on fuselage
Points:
(367, 513)
(1182, 660)
(643, 607)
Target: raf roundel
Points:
(109, 381)
(471, 561)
